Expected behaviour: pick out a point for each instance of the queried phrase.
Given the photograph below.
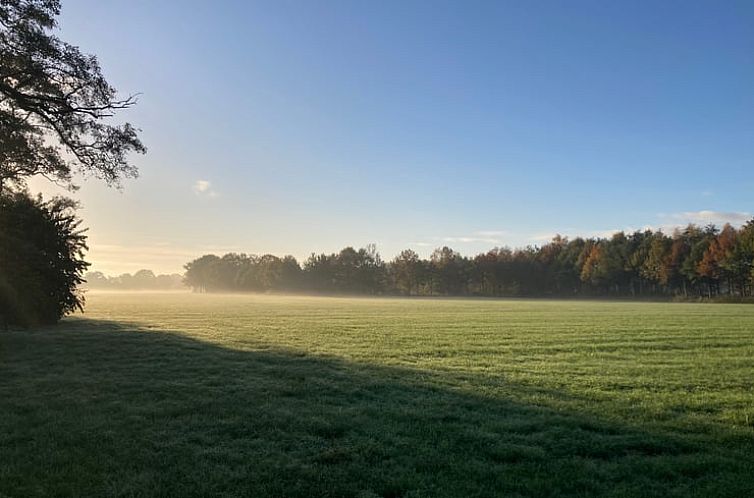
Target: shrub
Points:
(41, 259)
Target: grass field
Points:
(197, 395)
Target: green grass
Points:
(198, 395)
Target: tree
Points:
(320, 272)
(144, 279)
(525, 272)
(448, 271)
(695, 241)
(549, 258)
(741, 260)
(656, 259)
(202, 274)
(567, 271)
(484, 279)
(405, 270)
(41, 259)
(56, 111)
(590, 266)
(55, 104)
(370, 270)
(290, 274)
(673, 275)
(711, 267)
(716, 263)
(96, 279)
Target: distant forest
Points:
(141, 280)
(692, 262)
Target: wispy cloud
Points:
(705, 217)
(489, 237)
(491, 233)
(480, 236)
(203, 188)
(471, 240)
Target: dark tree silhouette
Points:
(41, 259)
(405, 271)
(56, 111)
(202, 274)
(55, 104)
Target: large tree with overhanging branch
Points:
(56, 107)
(57, 119)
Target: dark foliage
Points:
(41, 259)
(56, 110)
(694, 261)
(55, 104)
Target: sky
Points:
(295, 127)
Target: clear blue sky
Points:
(291, 127)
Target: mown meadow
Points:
(182, 395)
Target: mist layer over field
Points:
(185, 394)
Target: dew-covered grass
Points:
(205, 395)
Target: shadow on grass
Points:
(96, 408)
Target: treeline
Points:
(141, 280)
(695, 261)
